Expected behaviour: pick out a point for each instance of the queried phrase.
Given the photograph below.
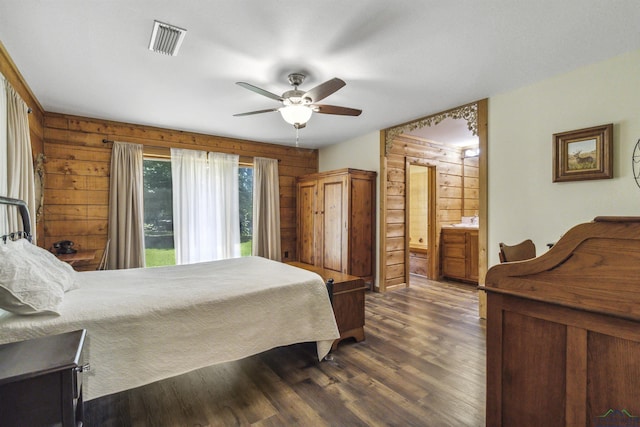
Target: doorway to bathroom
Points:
(421, 217)
(457, 192)
(442, 202)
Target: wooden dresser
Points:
(347, 301)
(336, 221)
(563, 331)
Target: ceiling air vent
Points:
(166, 39)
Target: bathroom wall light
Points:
(471, 152)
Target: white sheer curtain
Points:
(266, 209)
(191, 227)
(206, 223)
(126, 210)
(225, 204)
(20, 180)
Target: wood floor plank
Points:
(422, 364)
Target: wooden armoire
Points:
(336, 221)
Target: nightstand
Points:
(41, 381)
(81, 255)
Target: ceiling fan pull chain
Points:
(297, 131)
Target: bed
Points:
(147, 324)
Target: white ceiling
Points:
(449, 131)
(401, 60)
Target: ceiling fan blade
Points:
(332, 109)
(256, 112)
(324, 89)
(262, 92)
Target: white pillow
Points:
(56, 269)
(32, 280)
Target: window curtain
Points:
(190, 188)
(206, 222)
(266, 209)
(4, 190)
(126, 210)
(225, 191)
(19, 159)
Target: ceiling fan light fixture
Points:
(296, 114)
(298, 106)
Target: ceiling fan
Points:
(297, 105)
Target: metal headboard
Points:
(26, 221)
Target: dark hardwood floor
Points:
(422, 364)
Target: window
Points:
(158, 211)
(245, 200)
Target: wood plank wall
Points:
(471, 186)
(457, 188)
(77, 175)
(36, 118)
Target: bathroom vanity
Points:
(459, 253)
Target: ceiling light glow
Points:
(296, 114)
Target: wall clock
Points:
(635, 163)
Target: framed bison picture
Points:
(583, 154)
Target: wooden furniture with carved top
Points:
(336, 221)
(563, 331)
(518, 252)
(347, 301)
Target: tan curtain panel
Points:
(20, 180)
(126, 211)
(4, 226)
(266, 209)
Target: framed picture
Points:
(583, 154)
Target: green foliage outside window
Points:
(158, 212)
(245, 200)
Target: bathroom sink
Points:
(468, 222)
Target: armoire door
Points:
(334, 216)
(307, 227)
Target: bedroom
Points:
(522, 199)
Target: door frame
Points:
(432, 271)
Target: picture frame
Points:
(583, 154)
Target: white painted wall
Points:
(523, 202)
(362, 152)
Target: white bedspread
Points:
(144, 325)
